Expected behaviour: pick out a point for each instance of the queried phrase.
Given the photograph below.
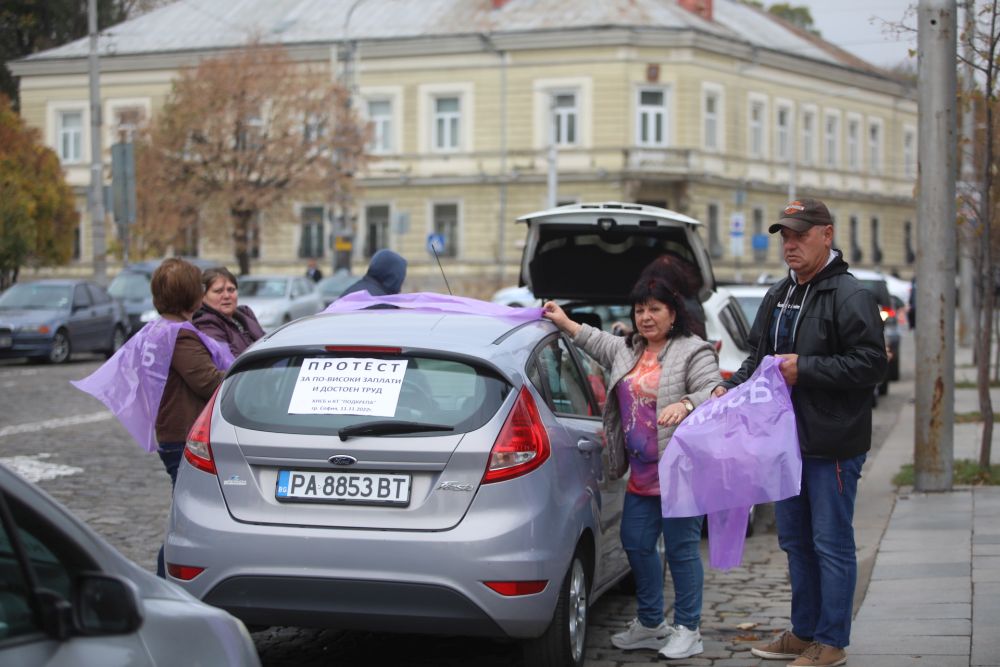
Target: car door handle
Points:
(586, 446)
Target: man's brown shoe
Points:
(783, 647)
(820, 655)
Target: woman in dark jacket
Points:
(221, 317)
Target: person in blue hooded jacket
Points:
(386, 272)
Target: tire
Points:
(564, 643)
(750, 520)
(118, 339)
(60, 351)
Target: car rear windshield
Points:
(879, 289)
(320, 394)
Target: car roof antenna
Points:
(434, 250)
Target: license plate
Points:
(6, 341)
(343, 487)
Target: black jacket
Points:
(386, 273)
(841, 348)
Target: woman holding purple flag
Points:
(657, 377)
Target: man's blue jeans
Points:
(815, 529)
(642, 524)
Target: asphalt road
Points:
(83, 457)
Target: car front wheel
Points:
(117, 340)
(60, 351)
(565, 640)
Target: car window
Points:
(734, 321)
(130, 287)
(267, 289)
(433, 390)
(556, 375)
(28, 296)
(80, 297)
(597, 378)
(97, 295)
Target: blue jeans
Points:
(642, 524)
(171, 454)
(815, 530)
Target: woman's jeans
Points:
(642, 524)
(815, 530)
(171, 454)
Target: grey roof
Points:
(188, 25)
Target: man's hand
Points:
(718, 391)
(789, 368)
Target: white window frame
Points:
(757, 129)
(54, 112)
(831, 140)
(447, 125)
(853, 142)
(909, 151)
(713, 124)
(784, 133)
(382, 126)
(565, 121)
(876, 153)
(426, 116)
(649, 112)
(542, 92)
(394, 96)
(459, 222)
(809, 135)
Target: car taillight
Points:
(513, 588)
(198, 451)
(184, 572)
(887, 313)
(522, 445)
(726, 374)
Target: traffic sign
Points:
(435, 244)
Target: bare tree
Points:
(246, 131)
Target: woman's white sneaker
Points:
(683, 643)
(639, 636)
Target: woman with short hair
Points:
(221, 316)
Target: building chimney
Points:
(702, 8)
(498, 4)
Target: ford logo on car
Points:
(342, 460)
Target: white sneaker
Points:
(639, 636)
(683, 643)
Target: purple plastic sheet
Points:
(733, 452)
(431, 302)
(131, 382)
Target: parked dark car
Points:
(131, 288)
(878, 286)
(48, 320)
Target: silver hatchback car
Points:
(400, 471)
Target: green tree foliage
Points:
(797, 15)
(37, 213)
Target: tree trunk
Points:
(241, 231)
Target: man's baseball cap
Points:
(803, 214)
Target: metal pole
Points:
(553, 178)
(501, 232)
(934, 417)
(967, 322)
(100, 263)
(792, 148)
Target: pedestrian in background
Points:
(385, 275)
(221, 316)
(656, 377)
(827, 330)
(312, 271)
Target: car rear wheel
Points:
(117, 340)
(564, 642)
(60, 351)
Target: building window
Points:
(832, 142)
(376, 228)
(447, 123)
(314, 128)
(126, 121)
(875, 148)
(756, 129)
(652, 120)
(808, 137)
(714, 242)
(853, 148)
(311, 233)
(380, 116)
(910, 153)
(856, 254)
(876, 242)
(782, 149)
(911, 253)
(710, 118)
(70, 131)
(446, 224)
(564, 119)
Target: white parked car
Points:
(727, 327)
(749, 297)
(277, 300)
(515, 297)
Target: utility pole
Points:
(553, 176)
(96, 165)
(934, 415)
(968, 329)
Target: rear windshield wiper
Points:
(390, 427)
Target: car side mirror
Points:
(105, 605)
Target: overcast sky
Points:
(854, 25)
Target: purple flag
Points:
(431, 302)
(730, 453)
(131, 382)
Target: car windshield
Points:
(264, 289)
(750, 304)
(36, 297)
(322, 393)
(130, 287)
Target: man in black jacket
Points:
(827, 330)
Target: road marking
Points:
(34, 427)
(34, 470)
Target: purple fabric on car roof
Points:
(131, 382)
(431, 302)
